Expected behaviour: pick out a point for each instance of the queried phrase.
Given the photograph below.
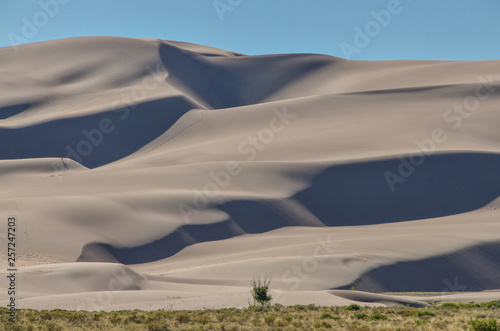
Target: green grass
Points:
(447, 316)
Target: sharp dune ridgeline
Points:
(146, 172)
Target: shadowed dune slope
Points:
(95, 139)
(474, 268)
(226, 82)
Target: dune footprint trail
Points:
(182, 170)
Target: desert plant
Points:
(269, 319)
(378, 316)
(260, 289)
(450, 305)
(352, 307)
(492, 304)
(183, 318)
(479, 324)
(424, 313)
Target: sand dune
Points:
(145, 173)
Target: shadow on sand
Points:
(474, 268)
(343, 195)
(132, 128)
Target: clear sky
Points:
(361, 30)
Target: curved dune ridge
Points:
(143, 172)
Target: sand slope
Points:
(144, 170)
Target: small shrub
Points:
(405, 313)
(424, 313)
(256, 321)
(326, 315)
(450, 305)
(53, 327)
(258, 308)
(473, 305)
(360, 316)
(115, 320)
(183, 318)
(484, 325)
(76, 317)
(269, 319)
(420, 322)
(157, 327)
(440, 325)
(45, 316)
(326, 325)
(203, 319)
(492, 304)
(260, 289)
(277, 307)
(312, 306)
(353, 307)
(378, 316)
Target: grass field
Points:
(447, 316)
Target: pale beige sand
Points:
(292, 150)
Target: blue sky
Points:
(405, 29)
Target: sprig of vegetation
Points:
(260, 289)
